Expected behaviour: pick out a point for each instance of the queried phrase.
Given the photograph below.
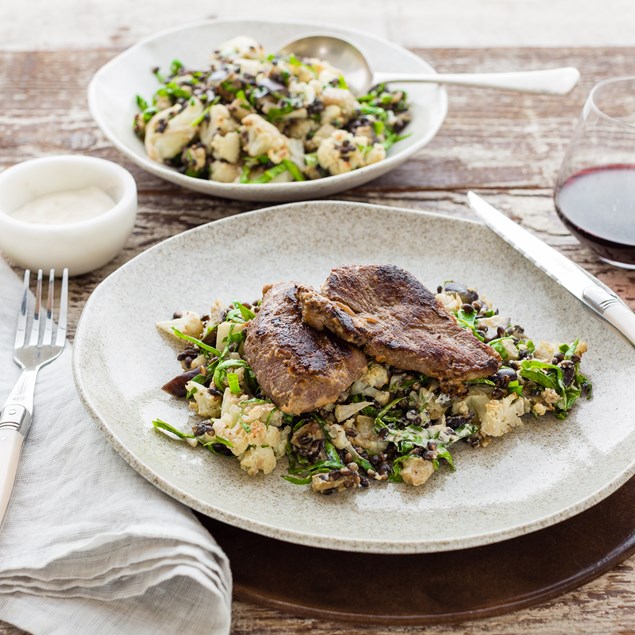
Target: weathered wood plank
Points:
(603, 606)
(60, 24)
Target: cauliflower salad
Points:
(390, 425)
(256, 118)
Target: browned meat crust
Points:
(299, 368)
(396, 320)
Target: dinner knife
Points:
(577, 281)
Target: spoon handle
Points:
(557, 81)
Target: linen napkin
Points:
(87, 545)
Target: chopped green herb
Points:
(270, 174)
(295, 171)
(233, 383)
(162, 425)
(199, 343)
(175, 67)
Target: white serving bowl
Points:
(112, 91)
(80, 246)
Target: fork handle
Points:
(22, 396)
(15, 421)
(10, 448)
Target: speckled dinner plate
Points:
(538, 475)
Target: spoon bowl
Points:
(348, 58)
(344, 55)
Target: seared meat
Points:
(299, 368)
(396, 320)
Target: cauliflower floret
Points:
(498, 417)
(226, 147)
(242, 46)
(460, 408)
(170, 130)
(376, 153)
(451, 301)
(545, 351)
(436, 405)
(338, 435)
(249, 66)
(277, 438)
(375, 375)
(245, 424)
(300, 128)
(322, 70)
(189, 323)
(228, 427)
(361, 387)
(193, 159)
(258, 459)
(298, 113)
(205, 403)
(581, 348)
(366, 437)
(224, 172)
(322, 133)
(224, 330)
(510, 349)
(239, 109)
(317, 86)
(550, 397)
(261, 137)
(220, 122)
(331, 114)
(491, 324)
(221, 119)
(302, 91)
(416, 471)
(342, 152)
(301, 71)
(345, 411)
(162, 102)
(340, 97)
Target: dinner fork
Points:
(30, 355)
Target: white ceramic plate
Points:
(534, 477)
(112, 91)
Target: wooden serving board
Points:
(433, 588)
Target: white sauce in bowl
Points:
(70, 206)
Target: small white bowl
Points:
(81, 246)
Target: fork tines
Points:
(42, 330)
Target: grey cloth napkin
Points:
(88, 546)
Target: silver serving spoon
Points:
(360, 77)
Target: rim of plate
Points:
(365, 545)
(163, 171)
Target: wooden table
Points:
(505, 146)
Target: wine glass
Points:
(595, 191)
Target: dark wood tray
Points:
(451, 586)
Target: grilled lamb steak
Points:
(299, 368)
(395, 319)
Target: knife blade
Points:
(588, 289)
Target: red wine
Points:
(598, 206)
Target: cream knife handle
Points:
(623, 319)
(10, 449)
(613, 310)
